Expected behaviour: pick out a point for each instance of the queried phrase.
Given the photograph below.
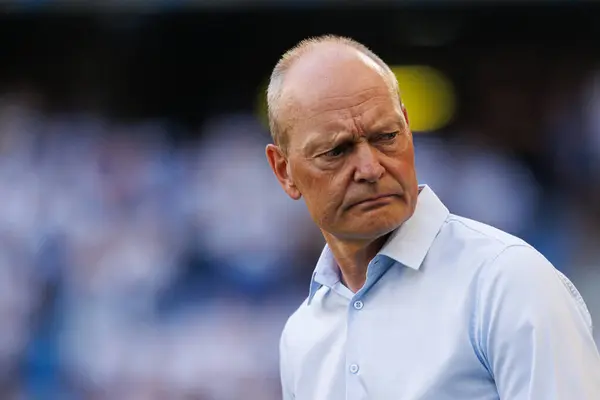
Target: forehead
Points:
(335, 96)
(364, 108)
(362, 111)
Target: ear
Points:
(405, 113)
(280, 166)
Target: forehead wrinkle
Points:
(341, 120)
(363, 95)
(315, 109)
(307, 89)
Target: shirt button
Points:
(354, 369)
(358, 305)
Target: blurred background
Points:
(146, 249)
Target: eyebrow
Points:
(319, 144)
(388, 125)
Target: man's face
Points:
(350, 154)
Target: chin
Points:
(372, 227)
(382, 229)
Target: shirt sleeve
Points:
(534, 330)
(285, 370)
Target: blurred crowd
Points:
(136, 267)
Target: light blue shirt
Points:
(452, 309)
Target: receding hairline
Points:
(289, 58)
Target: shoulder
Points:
(466, 248)
(503, 265)
(474, 245)
(513, 288)
(295, 324)
(313, 324)
(505, 258)
(520, 280)
(297, 337)
(478, 233)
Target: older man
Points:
(407, 301)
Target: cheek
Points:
(403, 166)
(326, 192)
(313, 183)
(402, 172)
(323, 195)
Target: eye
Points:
(387, 137)
(336, 151)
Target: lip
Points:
(377, 200)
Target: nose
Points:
(367, 166)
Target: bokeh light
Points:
(428, 95)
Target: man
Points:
(407, 301)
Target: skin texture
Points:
(348, 141)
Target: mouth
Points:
(376, 201)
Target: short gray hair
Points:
(275, 87)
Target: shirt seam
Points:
(454, 218)
(577, 297)
(477, 346)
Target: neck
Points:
(353, 258)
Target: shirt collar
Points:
(408, 244)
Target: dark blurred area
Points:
(147, 249)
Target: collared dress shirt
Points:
(452, 309)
